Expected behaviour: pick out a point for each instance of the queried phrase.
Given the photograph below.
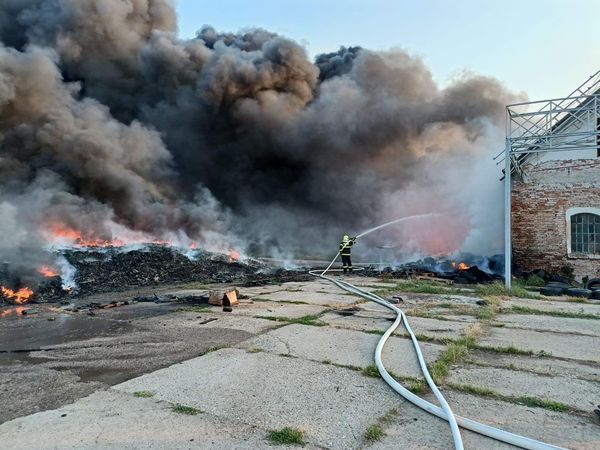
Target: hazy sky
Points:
(545, 48)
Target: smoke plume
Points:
(113, 126)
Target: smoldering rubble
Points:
(110, 121)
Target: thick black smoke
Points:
(110, 123)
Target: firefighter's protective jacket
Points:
(345, 247)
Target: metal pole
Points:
(507, 219)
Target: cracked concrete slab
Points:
(277, 309)
(257, 291)
(541, 365)
(118, 420)
(381, 319)
(588, 327)
(437, 328)
(552, 427)
(547, 426)
(189, 321)
(344, 347)
(557, 306)
(406, 431)
(578, 394)
(583, 348)
(361, 321)
(333, 405)
(314, 298)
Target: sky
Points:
(544, 48)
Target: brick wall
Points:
(539, 204)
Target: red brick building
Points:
(556, 215)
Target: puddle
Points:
(48, 326)
(20, 333)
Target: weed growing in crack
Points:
(287, 436)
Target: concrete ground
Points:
(298, 355)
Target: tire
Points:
(551, 291)
(593, 283)
(558, 284)
(558, 279)
(577, 292)
(595, 295)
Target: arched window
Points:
(585, 234)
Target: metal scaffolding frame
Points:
(553, 125)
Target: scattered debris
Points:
(225, 297)
(212, 319)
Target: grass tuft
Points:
(533, 402)
(452, 354)
(418, 287)
(497, 289)
(577, 299)
(143, 394)
(370, 371)
(255, 350)
(572, 315)
(287, 436)
(213, 349)
(417, 386)
(541, 403)
(304, 320)
(374, 433)
(187, 410)
(194, 308)
(510, 350)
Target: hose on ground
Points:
(448, 414)
(445, 411)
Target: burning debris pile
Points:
(18, 297)
(154, 265)
(467, 270)
(98, 270)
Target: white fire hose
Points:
(444, 412)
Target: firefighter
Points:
(346, 252)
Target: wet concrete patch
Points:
(26, 333)
(85, 353)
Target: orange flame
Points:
(63, 234)
(462, 266)
(162, 242)
(21, 296)
(58, 233)
(233, 255)
(8, 312)
(48, 271)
